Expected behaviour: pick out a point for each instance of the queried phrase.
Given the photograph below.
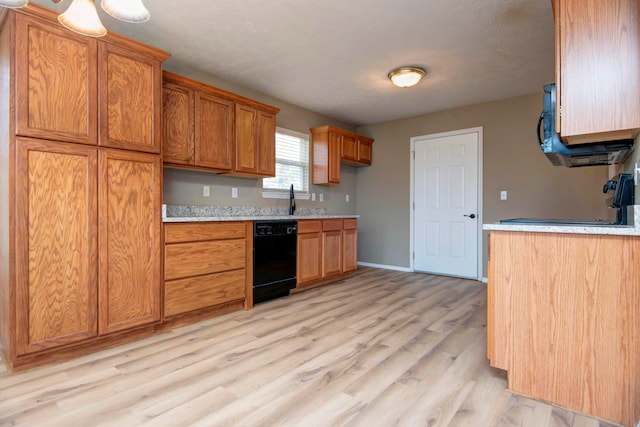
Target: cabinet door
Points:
(130, 215)
(598, 56)
(178, 124)
(331, 253)
(214, 132)
(246, 139)
(335, 139)
(309, 258)
(266, 144)
(365, 153)
(130, 92)
(349, 148)
(56, 79)
(349, 250)
(56, 244)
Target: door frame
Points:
(479, 216)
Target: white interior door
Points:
(445, 215)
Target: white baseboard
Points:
(385, 267)
(485, 280)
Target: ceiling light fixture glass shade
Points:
(406, 76)
(126, 10)
(14, 4)
(82, 17)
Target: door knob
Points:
(471, 216)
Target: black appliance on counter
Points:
(622, 189)
(274, 259)
(575, 155)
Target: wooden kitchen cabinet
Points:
(331, 147)
(118, 77)
(563, 320)
(309, 258)
(350, 245)
(130, 91)
(79, 221)
(130, 186)
(56, 244)
(207, 266)
(209, 128)
(63, 109)
(597, 69)
(331, 247)
(214, 132)
(255, 141)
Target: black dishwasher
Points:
(274, 259)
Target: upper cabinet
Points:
(107, 85)
(597, 69)
(333, 146)
(209, 128)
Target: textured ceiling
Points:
(333, 56)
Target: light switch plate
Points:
(347, 198)
(321, 197)
(206, 191)
(234, 192)
(503, 195)
(313, 197)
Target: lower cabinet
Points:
(326, 250)
(206, 265)
(87, 242)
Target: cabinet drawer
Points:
(198, 258)
(350, 224)
(331, 225)
(309, 226)
(203, 291)
(198, 231)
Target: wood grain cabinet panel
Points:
(130, 87)
(349, 250)
(332, 147)
(331, 253)
(598, 64)
(309, 258)
(568, 332)
(266, 144)
(255, 141)
(214, 132)
(56, 83)
(130, 222)
(178, 124)
(57, 243)
(207, 266)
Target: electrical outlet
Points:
(206, 191)
(313, 197)
(321, 197)
(234, 192)
(503, 195)
(347, 198)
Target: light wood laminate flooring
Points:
(383, 348)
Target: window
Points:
(292, 164)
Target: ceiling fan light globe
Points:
(82, 17)
(126, 10)
(14, 4)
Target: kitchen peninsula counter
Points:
(563, 316)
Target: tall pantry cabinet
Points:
(80, 188)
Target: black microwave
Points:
(559, 154)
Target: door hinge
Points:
(414, 206)
(414, 255)
(414, 154)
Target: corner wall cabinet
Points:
(331, 147)
(80, 206)
(327, 250)
(597, 69)
(212, 129)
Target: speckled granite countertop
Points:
(186, 213)
(616, 230)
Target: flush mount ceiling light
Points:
(82, 16)
(406, 76)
